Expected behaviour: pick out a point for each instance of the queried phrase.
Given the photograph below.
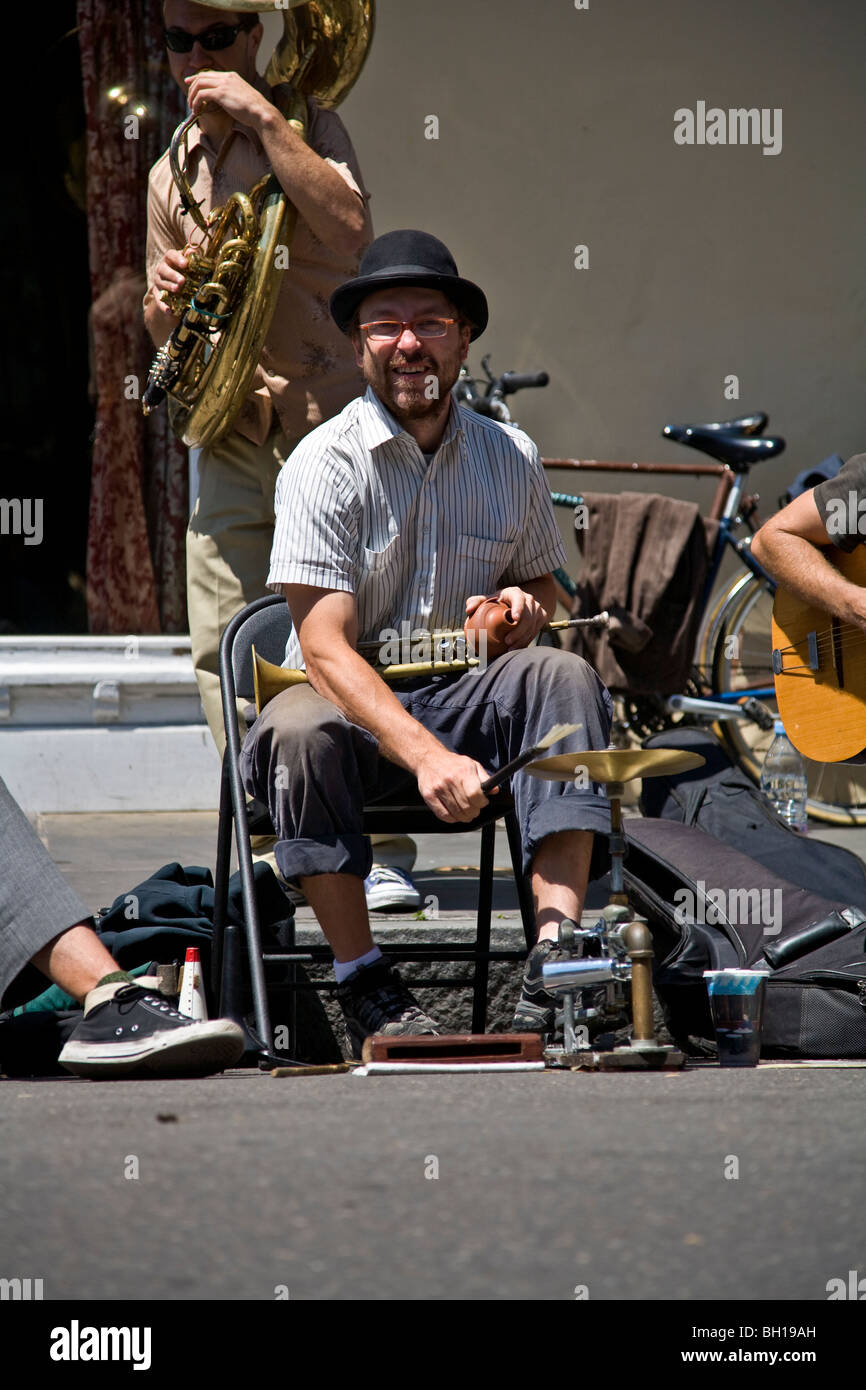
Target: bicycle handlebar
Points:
(510, 382)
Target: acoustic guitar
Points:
(819, 668)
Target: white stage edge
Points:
(104, 724)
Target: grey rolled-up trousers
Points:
(316, 770)
(36, 902)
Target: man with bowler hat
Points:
(408, 508)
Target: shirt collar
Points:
(378, 424)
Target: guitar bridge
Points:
(812, 649)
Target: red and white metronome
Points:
(192, 997)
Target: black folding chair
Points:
(266, 623)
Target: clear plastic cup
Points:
(737, 1006)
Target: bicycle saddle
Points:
(738, 452)
(743, 424)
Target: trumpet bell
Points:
(269, 680)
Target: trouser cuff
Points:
(571, 813)
(329, 854)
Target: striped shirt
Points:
(360, 510)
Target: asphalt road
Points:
(612, 1185)
(546, 1183)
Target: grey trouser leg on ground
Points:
(316, 770)
(36, 902)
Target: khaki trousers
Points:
(228, 550)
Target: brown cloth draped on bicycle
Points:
(645, 561)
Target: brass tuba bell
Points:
(233, 278)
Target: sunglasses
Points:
(219, 36)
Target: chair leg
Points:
(482, 936)
(230, 944)
(293, 995)
(253, 929)
(524, 892)
(228, 961)
(221, 888)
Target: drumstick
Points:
(553, 736)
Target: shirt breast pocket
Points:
(379, 577)
(484, 561)
(377, 561)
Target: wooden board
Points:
(332, 1069)
(456, 1047)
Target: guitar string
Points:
(844, 633)
(825, 634)
(824, 661)
(825, 640)
(824, 655)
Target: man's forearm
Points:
(350, 683)
(544, 591)
(331, 208)
(802, 568)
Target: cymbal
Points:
(615, 764)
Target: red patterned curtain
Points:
(139, 491)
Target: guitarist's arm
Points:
(788, 546)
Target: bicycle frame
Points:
(728, 500)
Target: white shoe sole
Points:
(199, 1047)
(391, 899)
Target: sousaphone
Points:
(233, 279)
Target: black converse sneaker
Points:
(536, 1009)
(375, 1000)
(131, 1030)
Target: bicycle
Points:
(732, 686)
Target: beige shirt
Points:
(307, 370)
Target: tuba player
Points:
(307, 371)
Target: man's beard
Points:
(425, 396)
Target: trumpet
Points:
(269, 680)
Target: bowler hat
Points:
(409, 258)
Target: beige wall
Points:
(556, 127)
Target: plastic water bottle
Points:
(783, 780)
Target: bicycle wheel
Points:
(736, 650)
